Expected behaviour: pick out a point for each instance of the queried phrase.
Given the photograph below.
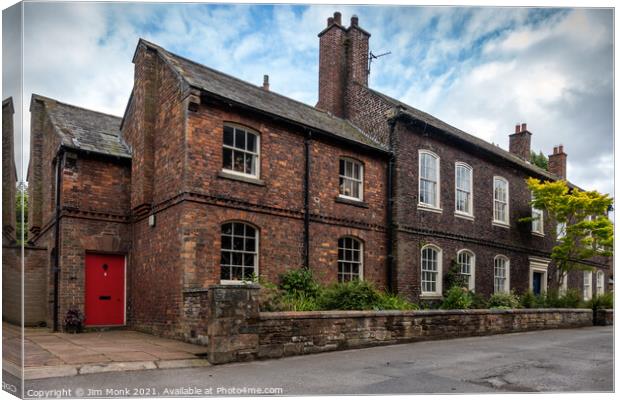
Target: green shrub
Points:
(394, 302)
(603, 301)
(529, 300)
(453, 277)
(506, 300)
(571, 299)
(296, 281)
(457, 298)
(300, 302)
(478, 301)
(354, 295)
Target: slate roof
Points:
(211, 81)
(84, 129)
(414, 113)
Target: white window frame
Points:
(600, 283)
(497, 222)
(506, 287)
(536, 213)
(360, 181)
(468, 214)
(256, 154)
(560, 230)
(563, 283)
(360, 263)
(439, 273)
(256, 250)
(587, 288)
(472, 267)
(427, 206)
(540, 265)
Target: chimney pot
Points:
(354, 20)
(338, 18)
(519, 142)
(330, 21)
(557, 162)
(524, 127)
(517, 128)
(561, 149)
(266, 82)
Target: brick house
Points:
(208, 179)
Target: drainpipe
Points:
(307, 140)
(390, 211)
(59, 160)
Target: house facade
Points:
(207, 179)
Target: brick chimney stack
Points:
(520, 142)
(266, 82)
(343, 59)
(557, 162)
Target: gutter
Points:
(56, 268)
(390, 210)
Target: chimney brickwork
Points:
(343, 59)
(520, 142)
(557, 162)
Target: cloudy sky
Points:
(480, 69)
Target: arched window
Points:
(587, 285)
(501, 275)
(240, 151)
(239, 252)
(350, 259)
(463, 185)
(500, 201)
(431, 270)
(467, 267)
(428, 179)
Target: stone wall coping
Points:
(411, 313)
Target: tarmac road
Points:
(552, 360)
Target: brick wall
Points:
(34, 299)
(9, 174)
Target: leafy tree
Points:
(584, 230)
(540, 160)
(21, 207)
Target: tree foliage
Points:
(540, 160)
(585, 230)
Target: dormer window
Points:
(351, 179)
(240, 151)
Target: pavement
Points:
(50, 354)
(563, 360)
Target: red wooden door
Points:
(105, 290)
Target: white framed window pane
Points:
(349, 259)
(429, 269)
(500, 275)
(238, 255)
(351, 179)
(240, 151)
(428, 182)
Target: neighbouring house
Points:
(208, 179)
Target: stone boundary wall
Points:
(237, 331)
(604, 317)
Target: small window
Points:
(351, 179)
(350, 252)
(463, 183)
(501, 275)
(431, 270)
(500, 200)
(537, 220)
(600, 283)
(239, 252)
(587, 285)
(560, 230)
(429, 179)
(467, 265)
(240, 151)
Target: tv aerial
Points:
(372, 56)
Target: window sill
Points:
(425, 207)
(501, 224)
(538, 234)
(464, 216)
(431, 296)
(351, 202)
(241, 178)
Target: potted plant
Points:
(74, 321)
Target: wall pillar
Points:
(233, 326)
